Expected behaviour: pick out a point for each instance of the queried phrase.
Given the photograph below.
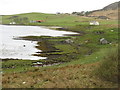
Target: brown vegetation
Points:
(112, 14)
(108, 69)
(72, 76)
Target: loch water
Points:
(11, 48)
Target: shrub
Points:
(108, 69)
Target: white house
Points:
(94, 23)
(12, 22)
(32, 21)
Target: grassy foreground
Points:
(86, 62)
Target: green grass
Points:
(56, 20)
(16, 65)
(65, 48)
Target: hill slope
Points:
(112, 6)
(110, 11)
(49, 19)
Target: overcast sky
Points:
(8, 7)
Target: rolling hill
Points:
(111, 11)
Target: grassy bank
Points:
(108, 68)
(80, 55)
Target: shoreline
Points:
(47, 26)
(47, 53)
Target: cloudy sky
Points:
(8, 7)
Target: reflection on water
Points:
(22, 49)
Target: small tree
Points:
(87, 13)
(74, 12)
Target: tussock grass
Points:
(108, 69)
(71, 76)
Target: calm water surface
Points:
(11, 48)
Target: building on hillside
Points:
(103, 17)
(31, 21)
(39, 21)
(12, 22)
(94, 23)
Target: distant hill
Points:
(108, 12)
(112, 6)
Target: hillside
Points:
(112, 6)
(110, 11)
(49, 19)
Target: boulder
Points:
(103, 41)
(69, 41)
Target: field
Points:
(79, 64)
